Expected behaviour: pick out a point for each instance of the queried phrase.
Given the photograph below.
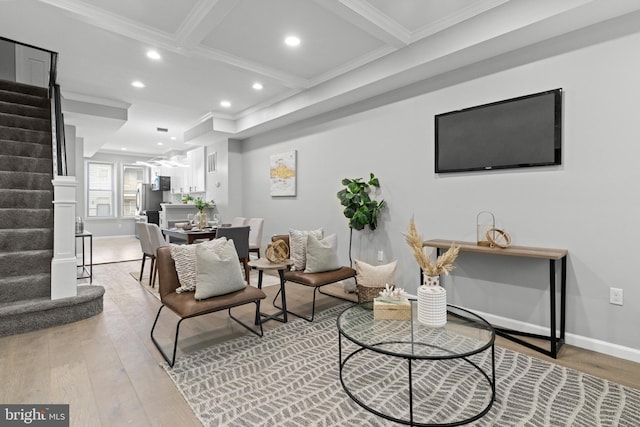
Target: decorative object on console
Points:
(186, 198)
(499, 238)
(277, 251)
(201, 219)
(432, 298)
(359, 208)
(485, 221)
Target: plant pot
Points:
(432, 303)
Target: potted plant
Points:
(201, 205)
(359, 208)
(187, 198)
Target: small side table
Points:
(83, 271)
(262, 264)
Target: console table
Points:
(553, 255)
(83, 272)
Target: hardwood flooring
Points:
(107, 368)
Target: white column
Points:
(64, 263)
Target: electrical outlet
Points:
(380, 256)
(615, 296)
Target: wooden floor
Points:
(107, 368)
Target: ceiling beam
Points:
(369, 19)
(205, 16)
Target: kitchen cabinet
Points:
(195, 175)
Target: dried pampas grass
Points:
(444, 263)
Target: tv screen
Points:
(518, 132)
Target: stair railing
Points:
(57, 119)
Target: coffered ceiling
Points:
(215, 50)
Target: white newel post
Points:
(63, 264)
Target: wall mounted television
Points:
(519, 132)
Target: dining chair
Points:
(255, 234)
(240, 237)
(239, 221)
(157, 241)
(147, 248)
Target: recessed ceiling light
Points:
(225, 104)
(257, 86)
(153, 54)
(292, 41)
(160, 143)
(138, 84)
(173, 138)
(124, 148)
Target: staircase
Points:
(26, 218)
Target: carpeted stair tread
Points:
(28, 149)
(24, 164)
(22, 122)
(24, 88)
(31, 315)
(25, 239)
(25, 110)
(33, 181)
(26, 218)
(20, 288)
(25, 135)
(21, 262)
(24, 99)
(26, 199)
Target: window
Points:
(100, 186)
(131, 177)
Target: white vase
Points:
(432, 302)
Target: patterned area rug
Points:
(290, 378)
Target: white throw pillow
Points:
(218, 270)
(184, 257)
(298, 246)
(375, 275)
(322, 254)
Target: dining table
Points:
(190, 236)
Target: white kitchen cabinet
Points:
(195, 172)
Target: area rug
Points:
(290, 377)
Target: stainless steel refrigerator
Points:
(147, 199)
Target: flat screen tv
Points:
(514, 133)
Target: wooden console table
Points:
(552, 255)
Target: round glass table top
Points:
(465, 333)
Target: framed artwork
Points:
(283, 174)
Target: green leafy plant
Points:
(202, 204)
(359, 208)
(187, 198)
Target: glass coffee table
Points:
(417, 375)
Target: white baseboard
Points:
(587, 343)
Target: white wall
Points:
(588, 205)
